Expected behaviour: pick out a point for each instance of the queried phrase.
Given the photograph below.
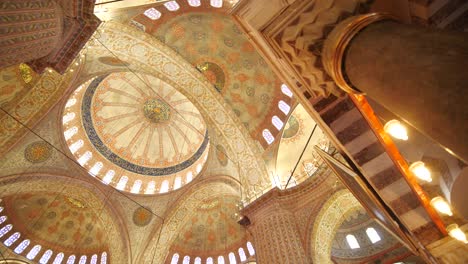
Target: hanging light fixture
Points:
(396, 129)
(455, 232)
(441, 205)
(419, 169)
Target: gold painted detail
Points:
(157, 110)
(76, 203)
(338, 41)
(26, 73)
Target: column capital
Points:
(338, 40)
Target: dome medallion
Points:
(136, 127)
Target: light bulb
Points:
(420, 171)
(441, 205)
(396, 129)
(455, 232)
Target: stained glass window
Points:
(85, 158)
(82, 260)
(216, 3)
(22, 246)
(93, 259)
(122, 183)
(103, 258)
(172, 6)
(268, 136)
(373, 235)
(69, 133)
(286, 91)
(175, 259)
(209, 260)
(232, 258)
(284, 107)
(250, 249)
(76, 146)
(150, 188)
(220, 260)
(70, 102)
(194, 3)
(96, 168)
(71, 259)
(152, 13)
(136, 186)
(68, 117)
(277, 122)
(352, 242)
(197, 260)
(164, 187)
(199, 167)
(33, 252)
(45, 257)
(2, 219)
(189, 176)
(58, 259)
(177, 183)
(242, 254)
(5, 230)
(186, 260)
(108, 178)
(12, 239)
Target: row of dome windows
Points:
(220, 259)
(46, 256)
(155, 14)
(275, 120)
(371, 234)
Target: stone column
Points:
(276, 236)
(420, 74)
(29, 29)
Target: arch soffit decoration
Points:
(327, 222)
(159, 246)
(36, 183)
(146, 54)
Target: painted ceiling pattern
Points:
(57, 221)
(216, 47)
(213, 230)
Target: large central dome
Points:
(137, 125)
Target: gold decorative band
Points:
(337, 41)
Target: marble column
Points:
(418, 73)
(29, 29)
(276, 236)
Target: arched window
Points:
(189, 177)
(1, 208)
(209, 260)
(68, 117)
(199, 167)
(186, 260)
(22, 246)
(5, 230)
(103, 258)
(277, 122)
(352, 242)
(177, 183)
(85, 158)
(220, 260)
(373, 235)
(12, 239)
(268, 136)
(242, 256)
(150, 188)
(45, 257)
(69, 133)
(250, 249)
(232, 258)
(94, 171)
(82, 260)
(33, 252)
(172, 6)
(122, 183)
(216, 3)
(136, 186)
(164, 187)
(93, 259)
(194, 3)
(2, 219)
(175, 258)
(284, 107)
(70, 102)
(152, 13)
(71, 259)
(197, 260)
(58, 259)
(286, 91)
(108, 178)
(76, 146)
